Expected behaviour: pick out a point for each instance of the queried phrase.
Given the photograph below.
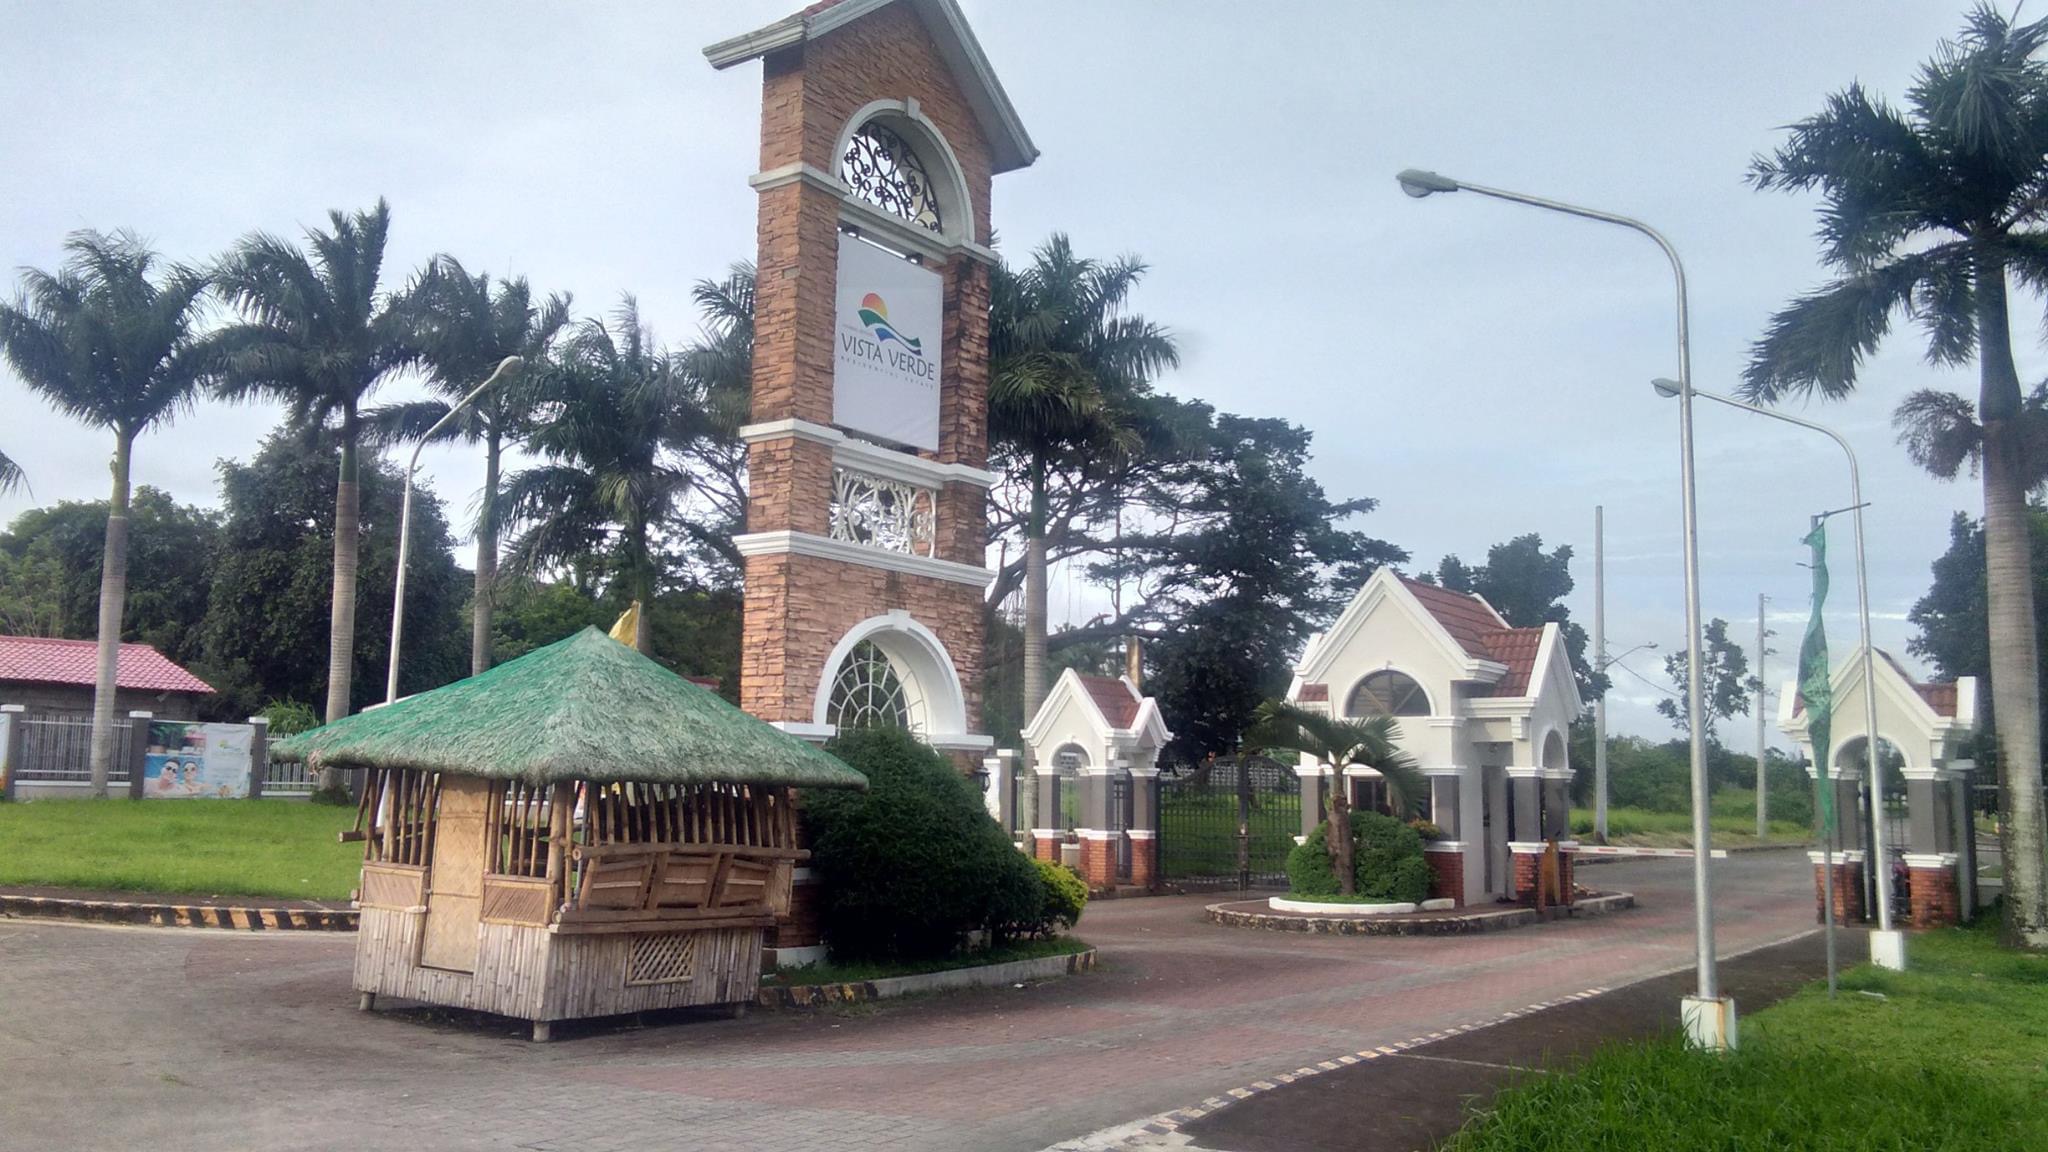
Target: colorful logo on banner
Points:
(874, 312)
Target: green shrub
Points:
(910, 867)
(1386, 856)
(1066, 895)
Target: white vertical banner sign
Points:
(885, 374)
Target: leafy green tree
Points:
(609, 481)
(464, 327)
(1256, 560)
(171, 550)
(1069, 367)
(1930, 212)
(111, 342)
(318, 334)
(1952, 618)
(1336, 744)
(271, 579)
(1728, 687)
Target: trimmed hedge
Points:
(908, 869)
(1386, 855)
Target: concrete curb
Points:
(987, 975)
(1421, 925)
(179, 915)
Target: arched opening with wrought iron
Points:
(891, 671)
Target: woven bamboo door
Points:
(455, 878)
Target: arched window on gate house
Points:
(1386, 693)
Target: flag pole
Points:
(1814, 644)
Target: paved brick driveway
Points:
(124, 1038)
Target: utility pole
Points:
(1600, 666)
(1763, 789)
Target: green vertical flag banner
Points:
(1815, 688)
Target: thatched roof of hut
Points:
(585, 708)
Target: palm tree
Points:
(718, 374)
(1928, 212)
(463, 328)
(11, 475)
(318, 335)
(110, 345)
(614, 406)
(1335, 744)
(1068, 369)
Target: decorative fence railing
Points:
(58, 750)
(1228, 823)
(289, 779)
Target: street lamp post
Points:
(1709, 1016)
(509, 366)
(1887, 944)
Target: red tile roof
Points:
(1114, 698)
(37, 660)
(1466, 617)
(1940, 697)
(1516, 648)
(1314, 694)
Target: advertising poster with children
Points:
(192, 761)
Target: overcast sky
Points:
(1481, 369)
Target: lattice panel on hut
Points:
(399, 886)
(746, 882)
(509, 901)
(685, 881)
(616, 882)
(663, 958)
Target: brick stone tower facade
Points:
(881, 128)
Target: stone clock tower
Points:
(881, 127)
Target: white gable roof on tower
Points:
(1010, 146)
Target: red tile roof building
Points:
(50, 675)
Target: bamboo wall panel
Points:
(511, 961)
(398, 886)
(587, 975)
(516, 901)
(455, 885)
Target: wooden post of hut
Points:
(579, 832)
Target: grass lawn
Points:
(826, 972)
(281, 848)
(1198, 834)
(1642, 828)
(1952, 1055)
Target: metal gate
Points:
(1228, 823)
(1120, 822)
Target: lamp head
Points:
(1667, 387)
(1419, 183)
(510, 366)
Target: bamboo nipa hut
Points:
(579, 832)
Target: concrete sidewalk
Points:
(1413, 1099)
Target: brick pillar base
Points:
(1098, 861)
(1934, 898)
(1145, 861)
(1848, 892)
(1525, 868)
(1446, 874)
(1566, 878)
(1046, 848)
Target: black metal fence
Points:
(1228, 823)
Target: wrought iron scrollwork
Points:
(883, 169)
(882, 513)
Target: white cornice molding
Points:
(803, 730)
(864, 456)
(1443, 770)
(959, 741)
(825, 548)
(798, 173)
(1523, 772)
(1930, 859)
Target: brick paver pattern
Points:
(118, 1038)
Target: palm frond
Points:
(12, 477)
(1818, 342)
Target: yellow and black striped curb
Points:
(862, 991)
(1412, 925)
(179, 915)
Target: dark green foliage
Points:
(50, 571)
(1387, 858)
(913, 865)
(267, 617)
(289, 717)
(1728, 686)
(1952, 619)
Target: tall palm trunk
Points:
(341, 621)
(113, 596)
(485, 596)
(1337, 835)
(2009, 593)
(642, 584)
(1034, 595)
